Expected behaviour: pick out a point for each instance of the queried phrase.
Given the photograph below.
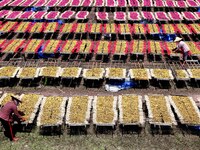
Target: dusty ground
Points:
(82, 90)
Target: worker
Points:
(182, 48)
(7, 112)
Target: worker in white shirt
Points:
(182, 48)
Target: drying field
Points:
(179, 139)
(58, 55)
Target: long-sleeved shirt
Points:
(7, 110)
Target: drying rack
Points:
(50, 80)
(163, 83)
(78, 127)
(164, 127)
(185, 125)
(195, 81)
(140, 83)
(136, 126)
(94, 81)
(10, 80)
(74, 81)
(180, 82)
(30, 81)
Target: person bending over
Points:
(182, 48)
(7, 112)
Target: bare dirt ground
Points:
(82, 90)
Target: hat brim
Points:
(16, 99)
(177, 39)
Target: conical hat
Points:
(177, 39)
(17, 97)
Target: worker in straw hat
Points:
(6, 116)
(182, 48)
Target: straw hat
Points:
(177, 39)
(16, 97)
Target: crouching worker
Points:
(182, 48)
(6, 117)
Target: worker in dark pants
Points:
(6, 117)
(182, 48)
